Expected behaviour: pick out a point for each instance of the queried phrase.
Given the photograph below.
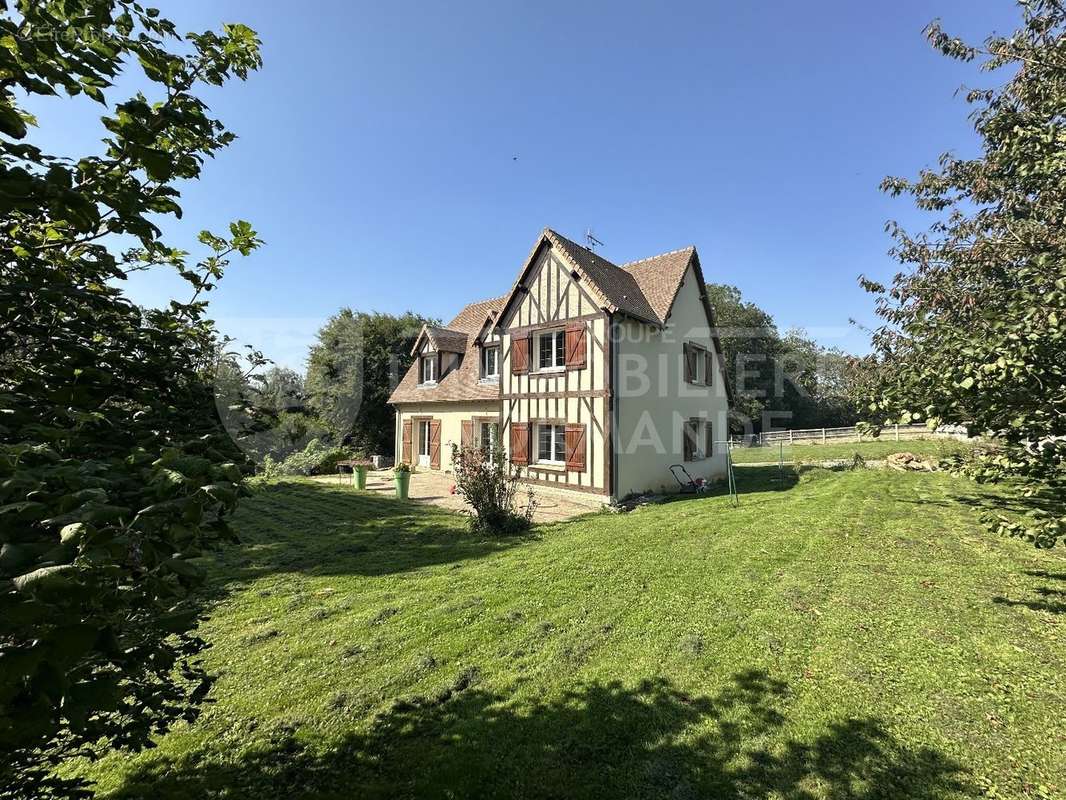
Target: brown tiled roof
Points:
(617, 286)
(644, 289)
(659, 278)
(462, 383)
(446, 339)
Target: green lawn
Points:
(839, 635)
(875, 450)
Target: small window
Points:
(697, 361)
(490, 363)
(698, 440)
(551, 350)
(429, 368)
(551, 444)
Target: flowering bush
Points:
(489, 484)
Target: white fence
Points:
(850, 434)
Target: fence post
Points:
(790, 435)
(897, 431)
(823, 435)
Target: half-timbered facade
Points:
(595, 377)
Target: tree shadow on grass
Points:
(1049, 599)
(599, 740)
(321, 529)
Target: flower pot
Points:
(360, 476)
(403, 482)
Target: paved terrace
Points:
(435, 488)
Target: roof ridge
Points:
(487, 300)
(628, 264)
(582, 247)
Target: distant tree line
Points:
(340, 402)
(780, 380)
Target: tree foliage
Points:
(351, 370)
(973, 325)
(114, 471)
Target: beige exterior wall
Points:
(653, 398)
(451, 416)
(569, 396)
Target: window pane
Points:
(560, 349)
(545, 351)
(560, 443)
(490, 361)
(544, 442)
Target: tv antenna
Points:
(590, 240)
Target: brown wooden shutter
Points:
(434, 444)
(520, 443)
(687, 448)
(708, 449)
(708, 365)
(520, 355)
(405, 450)
(467, 439)
(575, 345)
(575, 447)
(690, 362)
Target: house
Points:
(595, 377)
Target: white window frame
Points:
(485, 374)
(558, 340)
(557, 439)
(431, 359)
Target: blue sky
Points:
(403, 156)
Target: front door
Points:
(423, 443)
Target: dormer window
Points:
(490, 363)
(428, 369)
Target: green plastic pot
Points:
(403, 483)
(360, 476)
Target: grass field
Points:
(875, 450)
(839, 635)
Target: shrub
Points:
(402, 467)
(317, 458)
(489, 483)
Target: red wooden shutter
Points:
(467, 439)
(405, 449)
(708, 364)
(690, 362)
(434, 444)
(519, 442)
(520, 355)
(575, 447)
(575, 345)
